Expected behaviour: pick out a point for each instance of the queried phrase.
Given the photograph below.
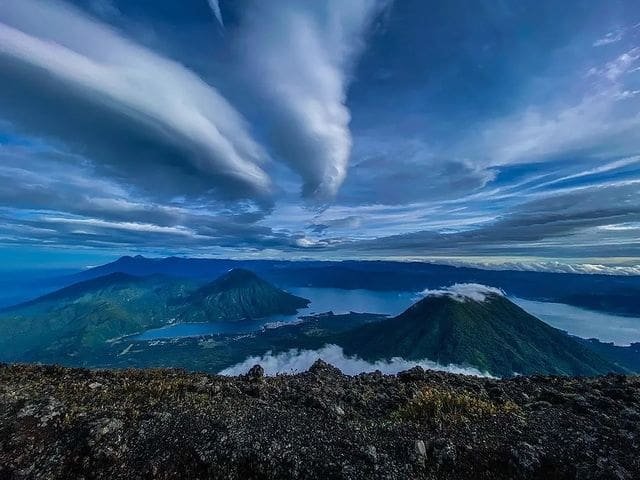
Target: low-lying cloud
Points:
(297, 361)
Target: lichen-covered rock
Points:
(58, 423)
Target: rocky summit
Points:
(59, 423)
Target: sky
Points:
(485, 132)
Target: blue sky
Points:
(484, 132)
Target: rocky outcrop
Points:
(58, 423)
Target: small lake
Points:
(322, 300)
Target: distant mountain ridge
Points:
(614, 294)
(493, 335)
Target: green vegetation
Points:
(239, 295)
(495, 336)
(88, 314)
(439, 405)
(82, 318)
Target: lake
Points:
(576, 321)
(585, 323)
(322, 300)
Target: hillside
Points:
(86, 314)
(58, 423)
(492, 334)
(79, 319)
(238, 295)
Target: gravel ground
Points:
(60, 423)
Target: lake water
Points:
(585, 323)
(576, 321)
(322, 300)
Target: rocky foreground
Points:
(58, 423)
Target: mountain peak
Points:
(239, 294)
(235, 278)
(476, 327)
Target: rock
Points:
(539, 405)
(413, 374)
(170, 424)
(444, 452)
(322, 368)
(525, 458)
(372, 453)
(255, 373)
(420, 448)
(420, 452)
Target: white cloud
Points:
(215, 7)
(296, 361)
(120, 103)
(300, 54)
(610, 37)
(462, 292)
(551, 266)
(130, 226)
(603, 121)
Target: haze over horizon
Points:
(466, 132)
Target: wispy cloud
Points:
(215, 8)
(609, 37)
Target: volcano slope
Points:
(59, 423)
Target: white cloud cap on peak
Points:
(462, 292)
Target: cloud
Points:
(299, 56)
(46, 197)
(138, 115)
(297, 361)
(534, 265)
(601, 122)
(462, 292)
(215, 8)
(397, 171)
(346, 223)
(610, 37)
(566, 223)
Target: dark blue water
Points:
(322, 300)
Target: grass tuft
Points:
(438, 405)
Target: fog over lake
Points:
(576, 321)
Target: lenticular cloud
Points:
(140, 115)
(297, 361)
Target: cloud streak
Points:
(215, 8)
